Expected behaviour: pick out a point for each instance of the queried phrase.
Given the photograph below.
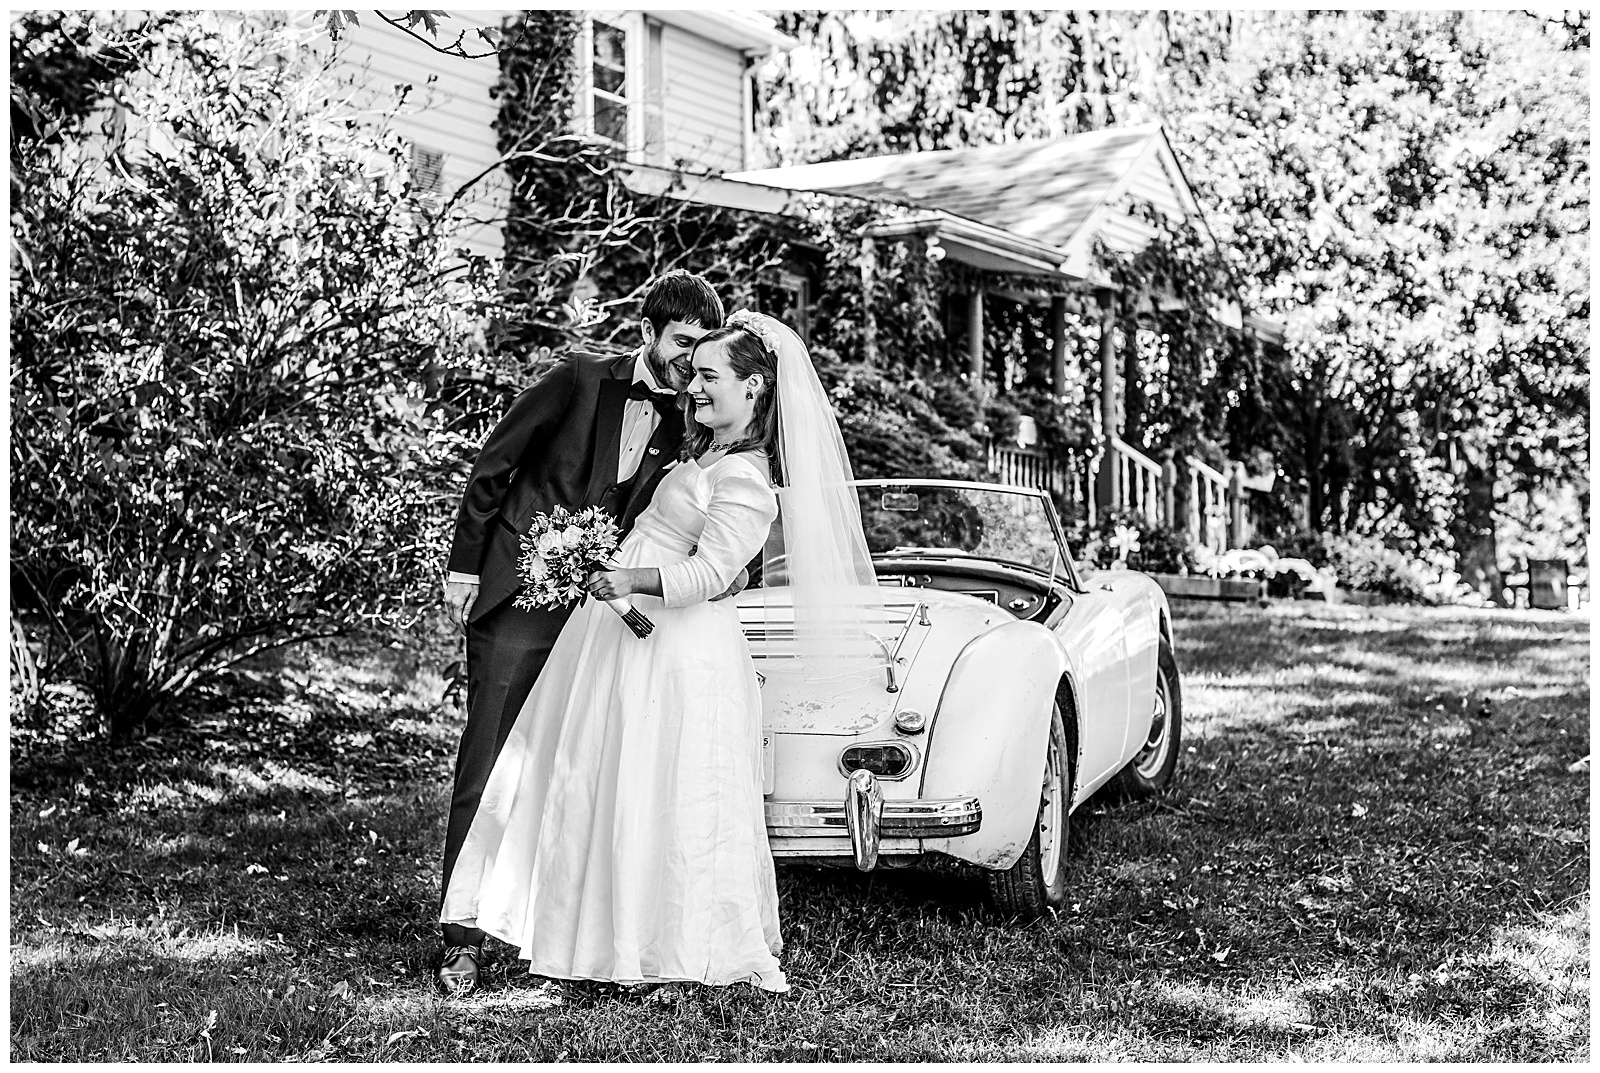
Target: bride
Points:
(621, 835)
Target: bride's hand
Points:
(610, 584)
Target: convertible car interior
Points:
(997, 585)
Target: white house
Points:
(673, 89)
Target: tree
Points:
(229, 322)
(1409, 192)
(864, 83)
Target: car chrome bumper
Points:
(899, 819)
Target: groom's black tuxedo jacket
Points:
(558, 445)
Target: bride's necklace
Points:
(717, 446)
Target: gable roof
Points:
(1046, 192)
(1029, 207)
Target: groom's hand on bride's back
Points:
(737, 587)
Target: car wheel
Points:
(1038, 881)
(1151, 769)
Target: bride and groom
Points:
(607, 813)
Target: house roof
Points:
(1033, 207)
(1046, 192)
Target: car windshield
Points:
(988, 523)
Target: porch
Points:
(1027, 218)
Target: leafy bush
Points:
(227, 334)
(1161, 550)
(902, 426)
(1366, 563)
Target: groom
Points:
(594, 431)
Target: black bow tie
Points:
(639, 391)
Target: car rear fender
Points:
(989, 736)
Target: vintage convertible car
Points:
(1011, 689)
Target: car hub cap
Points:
(1154, 754)
(1050, 817)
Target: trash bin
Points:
(1547, 584)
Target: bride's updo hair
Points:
(747, 355)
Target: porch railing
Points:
(1138, 482)
(1069, 474)
(1208, 506)
(1216, 512)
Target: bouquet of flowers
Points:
(559, 550)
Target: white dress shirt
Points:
(639, 423)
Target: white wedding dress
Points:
(620, 836)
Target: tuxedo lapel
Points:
(662, 449)
(607, 437)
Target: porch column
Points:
(1236, 506)
(868, 264)
(1169, 493)
(1058, 344)
(1108, 494)
(975, 338)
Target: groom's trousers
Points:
(506, 650)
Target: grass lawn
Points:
(1377, 848)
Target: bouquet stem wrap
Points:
(559, 550)
(637, 620)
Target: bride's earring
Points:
(749, 394)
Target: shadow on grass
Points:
(1361, 860)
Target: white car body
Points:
(985, 650)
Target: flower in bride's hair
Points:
(757, 324)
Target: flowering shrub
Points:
(1151, 549)
(1366, 563)
(228, 331)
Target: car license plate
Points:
(767, 765)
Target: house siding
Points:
(1153, 184)
(702, 104)
(453, 114)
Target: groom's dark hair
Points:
(682, 296)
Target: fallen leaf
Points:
(46, 813)
(1358, 811)
(255, 869)
(1222, 955)
(340, 988)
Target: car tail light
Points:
(887, 760)
(910, 721)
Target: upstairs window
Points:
(611, 92)
(611, 68)
(427, 171)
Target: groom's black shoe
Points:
(458, 970)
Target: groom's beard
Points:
(660, 369)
